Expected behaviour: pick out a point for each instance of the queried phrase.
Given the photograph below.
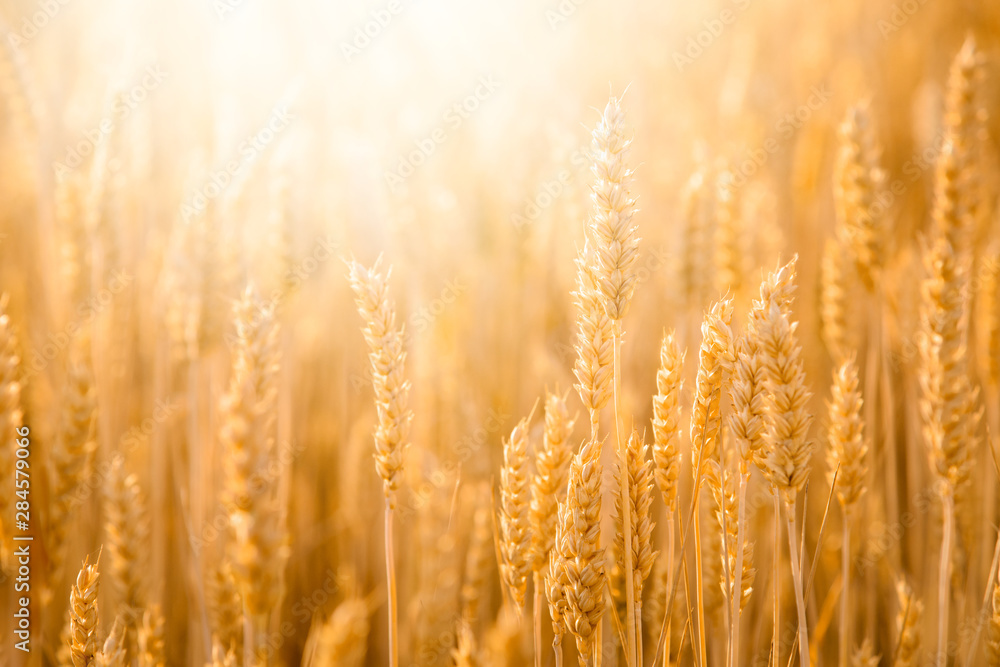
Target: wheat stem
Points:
(390, 577)
(944, 579)
(776, 586)
(631, 656)
(738, 574)
(793, 552)
(845, 641)
(670, 583)
(536, 606)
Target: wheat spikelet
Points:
(223, 657)
(555, 594)
(956, 176)
(948, 399)
(515, 528)
(746, 389)
(834, 296)
(465, 654)
(74, 450)
(150, 639)
(248, 432)
(640, 474)
(113, 653)
(696, 259)
(594, 368)
(908, 621)
(727, 503)
(11, 418)
(666, 421)
(343, 637)
(991, 316)
(715, 356)
(865, 656)
(478, 560)
(549, 482)
(858, 181)
(730, 255)
(848, 448)
(786, 434)
(127, 530)
(84, 616)
(713, 546)
(385, 342)
(225, 607)
(580, 567)
(617, 245)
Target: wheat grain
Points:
(908, 622)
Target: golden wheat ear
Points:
(84, 615)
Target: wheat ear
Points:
(788, 449)
(858, 181)
(151, 647)
(847, 457)
(385, 343)
(594, 365)
(908, 622)
(84, 615)
(127, 531)
(547, 488)
(579, 557)
(715, 355)
(343, 638)
(666, 444)
(515, 527)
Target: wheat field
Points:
(425, 333)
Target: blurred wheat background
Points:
(309, 306)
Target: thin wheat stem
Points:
(631, 656)
(793, 553)
(845, 641)
(670, 583)
(699, 594)
(738, 574)
(776, 586)
(537, 612)
(944, 579)
(390, 577)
